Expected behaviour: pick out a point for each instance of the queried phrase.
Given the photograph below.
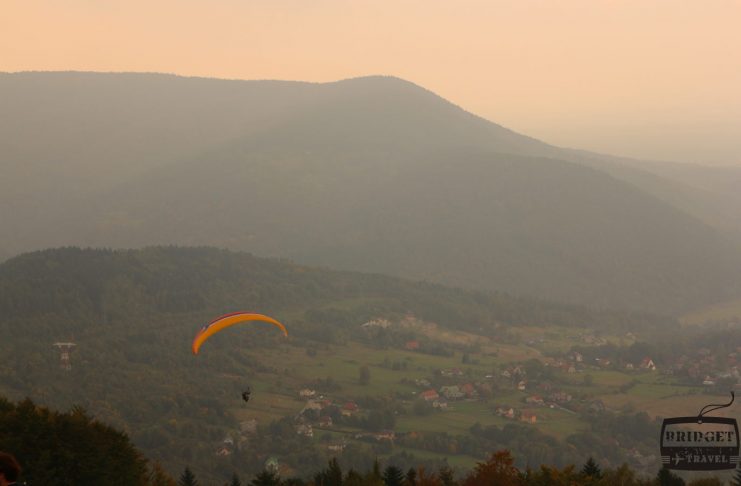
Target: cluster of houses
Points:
(575, 361)
(229, 444)
(527, 416)
(320, 406)
(707, 367)
(440, 398)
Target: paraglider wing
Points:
(229, 320)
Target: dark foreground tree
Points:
(411, 477)
(667, 478)
(446, 476)
(70, 445)
(188, 478)
(591, 469)
(332, 476)
(266, 478)
(393, 476)
(499, 470)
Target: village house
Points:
(429, 395)
(325, 421)
(648, 364)
(411, 345)
(306, 430)
(560, 397)
(522, 385)
(223, 451)
(337, 448)
(385, 435)
(317, 405)
(469, 391)
(379, 322)
(307, 393)
(451, 392)
(349, 409)
(535, 400)
(505, 411)
(440, 404)
(528, 416)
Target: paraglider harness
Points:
(246, 394)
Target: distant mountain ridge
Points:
(374, 174)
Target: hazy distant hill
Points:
(374, 174)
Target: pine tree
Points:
(591, 469)
(332, 476)
(266, 478)
(667, 478)
(445, 474)
(393, 476)
(411, 478)
(376, 472)
(187, 478)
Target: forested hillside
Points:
(133, 313)
(70, 448)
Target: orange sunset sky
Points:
(645, 78)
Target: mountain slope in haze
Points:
(373, 174)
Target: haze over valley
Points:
(374, 174)
(370, 243)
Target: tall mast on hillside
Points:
(64, 350)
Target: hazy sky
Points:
(648, 78)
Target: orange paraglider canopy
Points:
(228, 320)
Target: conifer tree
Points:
(591, 469)
(393, 476)
(332, 476)
(667, 478)
(267, 477)
(411, 478)
(187, 478)
(375, 474)
(445, 474)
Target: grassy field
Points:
(719, 312)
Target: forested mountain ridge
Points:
(372, 174)
(133, 313)
(92, 287)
